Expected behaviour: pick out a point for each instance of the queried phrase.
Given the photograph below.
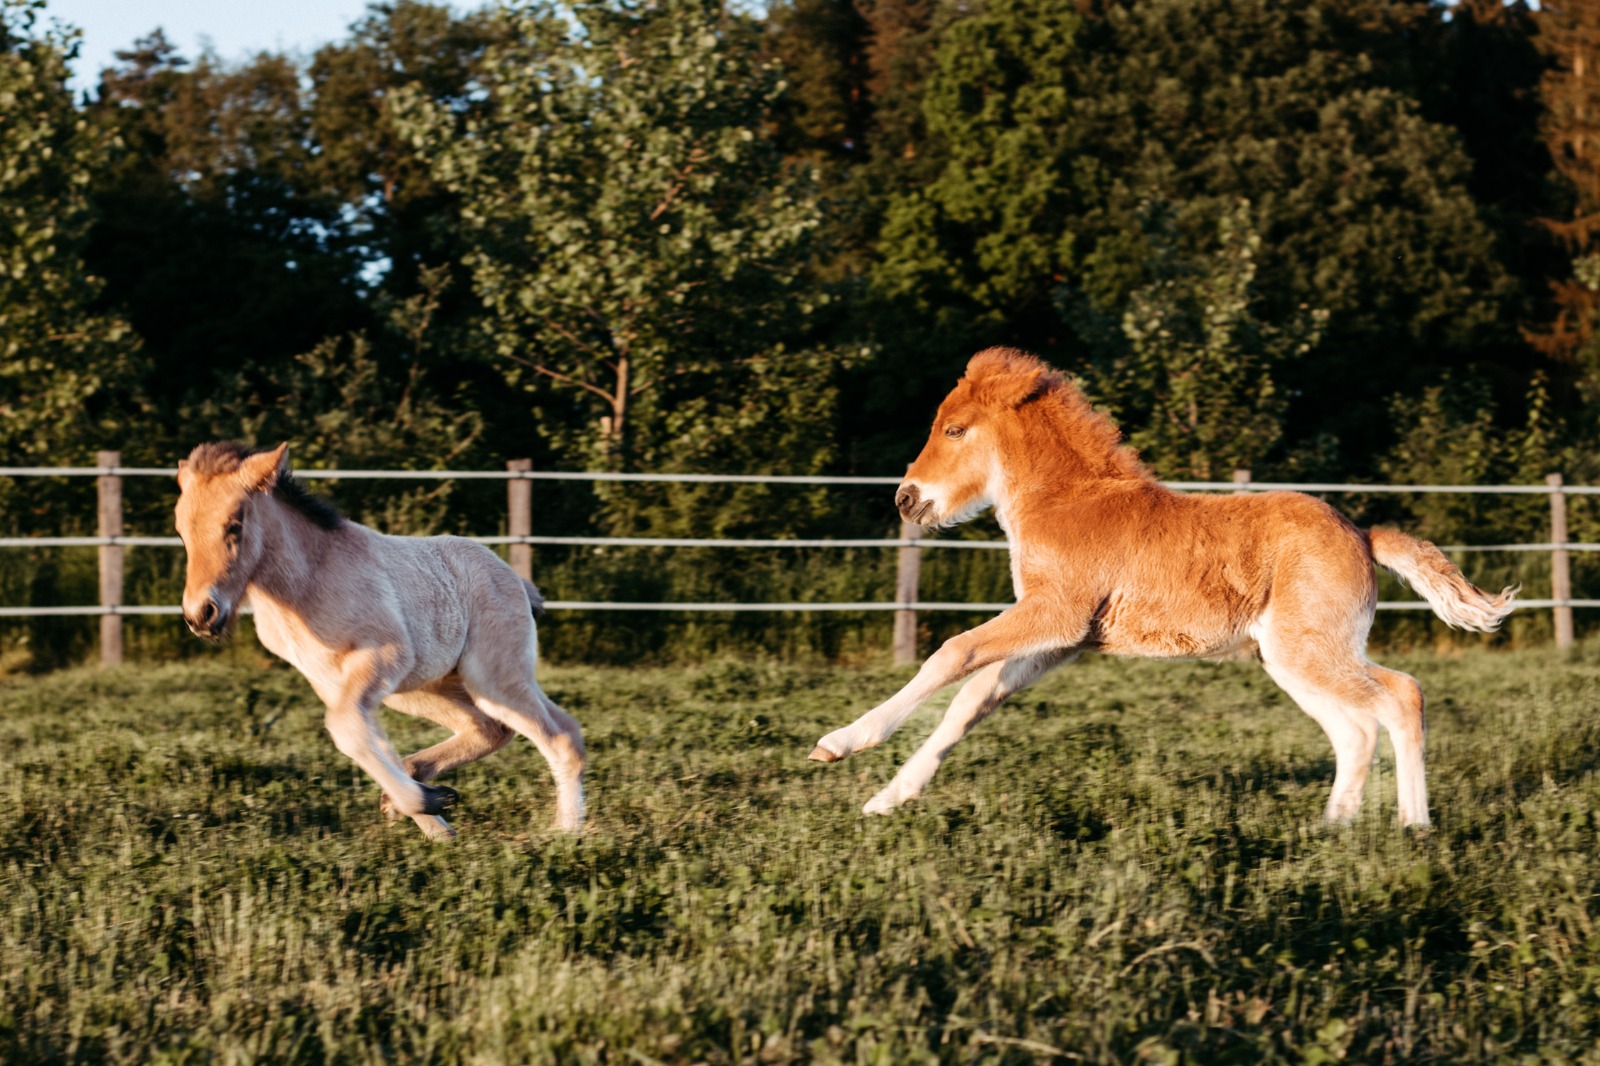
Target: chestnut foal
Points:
(1104, 558)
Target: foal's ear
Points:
(260, 472)
(1020, 386)
(1008, 377)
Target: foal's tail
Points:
(535, 598)
(1458, 601)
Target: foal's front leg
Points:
(352, 721)
(473, 735)
(1023, 629)
(982, 693)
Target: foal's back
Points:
(432, 593)
(1185, 575)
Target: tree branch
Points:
(696, 157)
(566, 379)
(698, 368)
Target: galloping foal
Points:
(1103, 558)
(437, 627)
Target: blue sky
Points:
(234, 28)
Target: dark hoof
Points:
(436, 799)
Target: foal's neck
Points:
(292, 550)
(1061, 453)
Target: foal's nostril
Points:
(207, 613)
(906, 498)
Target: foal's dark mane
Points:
(226, 456)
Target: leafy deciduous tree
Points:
(1193, 373)
(66, 370)
(638, 247)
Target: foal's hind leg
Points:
(982, 693)
(519, 702)
(474, 735)
(1333, 682)
(1337, 700)
(1401, 710)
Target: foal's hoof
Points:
(436, 799)
(882, 803)
(822, 754)
(436, 829)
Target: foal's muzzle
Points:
(209, 620)
(912, 507)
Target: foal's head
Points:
(1009, 416)
(959, 472)
(223, 486)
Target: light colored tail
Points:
(1458, 601)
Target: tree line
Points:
(1333, 240)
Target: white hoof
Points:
(883, 803)
(434, 828)
(568, 823)
(833, 747)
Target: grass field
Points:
(1125, 865)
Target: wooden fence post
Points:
(908, 575)
(1241, 478)
(110, 525)
(1560, 562)
(519, 520)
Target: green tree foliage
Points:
(1569, 34)
(1479, 73)
(341, 406)
(985, 235)
(213, 232)
(1053, 140)
(399, 225)
(1193, 372)
(265, 207)
(637, 245)
(1453, 435)
(67, 370)
(398, 218)
(818, 44)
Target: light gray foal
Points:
(436, 627)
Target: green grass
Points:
(1126, 864)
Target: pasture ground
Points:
(1126, 864)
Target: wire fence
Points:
(112, 541)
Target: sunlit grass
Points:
(1125, 864)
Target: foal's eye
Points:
(234, 529)
(955, 432)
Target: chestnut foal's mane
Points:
(1001, 377)
(226, 456)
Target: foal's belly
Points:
(418, 655)
(1169, 627)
